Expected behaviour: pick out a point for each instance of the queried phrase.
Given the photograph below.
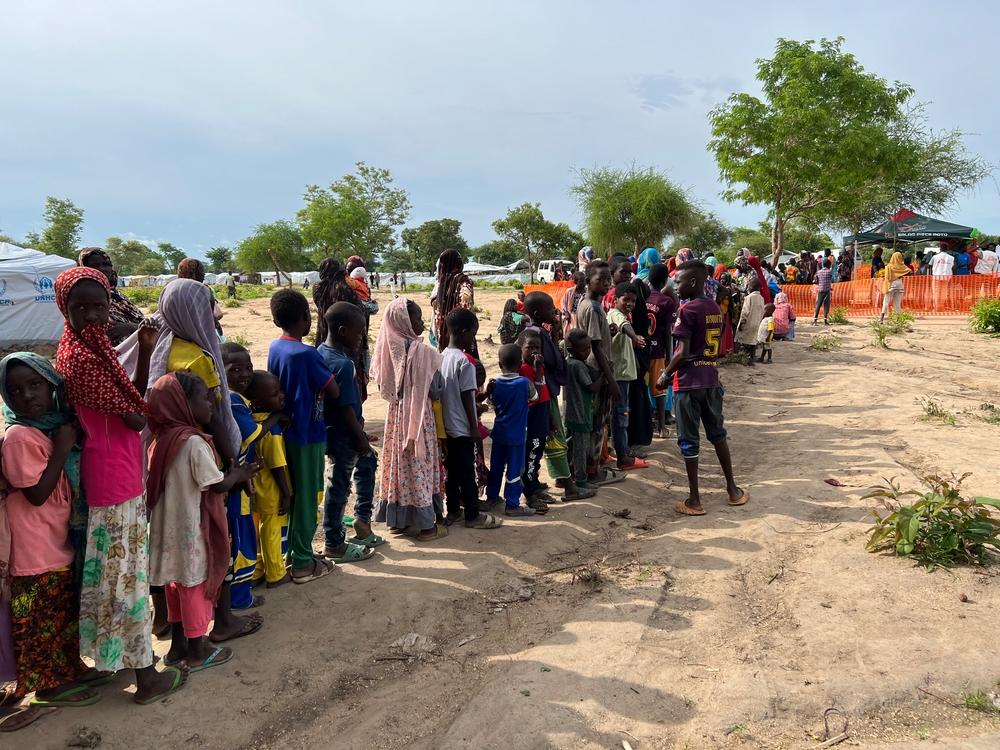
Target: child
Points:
(662, 311)
(791, 273)
(765, 334)
(533, 368)
(697, 391)
(461, 422)
(582, 384)
(189, 549)
(272, 499)
(41, 462)
(784, 318)
(591, 318)
(751, 314)
(510, 394)
(360, 283)
(406, 370)
(346, 442)
(511, 324)
(304, 379)
(541, 312)
(115, 628)
(623, 356)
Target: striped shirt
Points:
(824, 277)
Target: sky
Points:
(192, 122)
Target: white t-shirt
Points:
(459, 377)
(942, 264)
(988, 262)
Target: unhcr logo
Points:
(44, 289)
(5, 301)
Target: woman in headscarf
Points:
(585, 257)
(640, 413)
(192, 268)
(453, 290)
(892, 284)
(647, 259)
(405, 369)
(729, 302)
(748, 263)
(125, 317)
(334, 286)
(571, 300)
(845, 265)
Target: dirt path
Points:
(738, 629)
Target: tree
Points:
(220, 259)
(357, 215)
(8, 239)
(277, 246)
(61, 234)
(707, 233)
(798, 238)
(631, 209)
(425, 243)
(133, 258)
(821, 125)
(536, 238)
(497, 253)
(172, 255)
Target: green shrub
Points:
(142, 296)
(240, 339)
(825, 342)
(935, 412)
(990, 413)
(838, 316)
(986, 316)
(231, 302)
(900, 322)
(880, 334)
(940, 529)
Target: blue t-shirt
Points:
(344, 372)
(249, 428)
(303, 375)
(510, 401)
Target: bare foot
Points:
(235, 627)
(152, 686)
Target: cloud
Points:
(668, 91)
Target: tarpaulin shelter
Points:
(907, 227)
(28, 312)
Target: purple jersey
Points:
(700, 322)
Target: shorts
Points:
(692, 409)
(656, 368)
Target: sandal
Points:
(94, 678)
(21, 718)
(353, 553)
(251, 625)
(581, 493)
(521, 512)
(611, 476)
(372, 540)
(180, 678)
(220, 655)
(485, 521)
(741, 500)
(319, 569)
(686, 510)
(428, 535)
(637, 463)
(538, 505)
(88, 697)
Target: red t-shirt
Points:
(700, 322)
(543, 390)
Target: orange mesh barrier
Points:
(555, 289)
(923, 295)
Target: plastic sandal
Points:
(61, 700)
(24, 717)
(214, 659)
(372, 540)
(686, 510)
(519, 511)
(741, 500)
(323, 570)
(429, 536)
(353, 553)
(180, 678)
(637, 463)
(489, 522)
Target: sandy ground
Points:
(586, 629)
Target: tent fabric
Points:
(907, 226)
(28, 313)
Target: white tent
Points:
(28, 312)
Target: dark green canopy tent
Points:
(907, 227)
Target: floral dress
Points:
(407, 482)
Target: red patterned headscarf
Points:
(87, 360)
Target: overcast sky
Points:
(191, 122)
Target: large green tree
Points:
(276, 246)
(171, 254)
(497, 253)
(707, 233)
(61, 235)
(134, 258)
(536, 238)
(631, 209)
(220, 259)
(357, 215)
(821, 124)
(425, 243)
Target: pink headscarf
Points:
(403, 367)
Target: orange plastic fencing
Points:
(555, 289)
(923, 295)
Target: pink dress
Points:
(407, 483)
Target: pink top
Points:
(111, 467)
(39, 534)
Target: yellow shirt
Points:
(271, 453)
(186, 356)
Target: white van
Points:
(546, 271)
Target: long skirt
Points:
(44, 628)
(556, 459)
(8, 665)
(407, 482)
(115, 626)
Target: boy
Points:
(461, 423)
(346, 442)
(304, 379)
(510, 394)
(541, 311)
(662, 310)
(697, 390)
(765, 334)
(539, 415)
(750, 316)
(273, 497)
(625, 370)
(581, 386)
(591, 318)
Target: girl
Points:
(453, 290)
(571, 300)
(784, 318)
(728, 304)
(41, 462)
(892, 284)
(114, 620)
(511, 324)
(404, 367)
(188, 536)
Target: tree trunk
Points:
(777, 239)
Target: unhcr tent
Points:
(907, 226)
(28, 312)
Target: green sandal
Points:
(372, 540)
(62, 699)
(353, 553)
(180, 679)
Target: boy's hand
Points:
(640, 342)
(537, 362)
(361, 445)
(64, 438)
(488, 391)
(614, 392)
(661, 382)
(147, 335)
(284, 504)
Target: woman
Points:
(747, 263)
(728, 300)
(584, 258)
(335, 285)
(453, 290)
(647, 259)
(571, 300)
(124, 316)
(892, 284)
(640, 414)
(192, 268)
(877, 263)
(845, 265)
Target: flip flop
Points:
(489, 522)
(62, 698)
(26, 717)
(180, 678)
(324, 570)
(637, 463)
(372, 540)
(250, 626)
(439, 533)
(742, 499)
(93, 678)
(214, 659)
(611, 476)
(353, 553)
(686, 510)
